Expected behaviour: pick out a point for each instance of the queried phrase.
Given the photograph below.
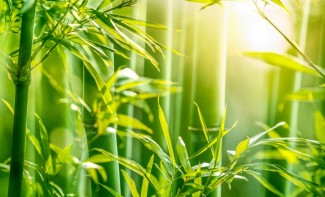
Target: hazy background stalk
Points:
(294, 111)
(209, 80)
(21, 103)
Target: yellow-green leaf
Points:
(319, 126)
(205, 129)
(264, 182)
(131, 184)
(281, 4)
(242, 147)
(145, 182)
(164, 126)
(128, 121)
(183, 155)
(283, 61)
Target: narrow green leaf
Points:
(104, 4)
(242, 147)
(44, 138)
(8, 106)
(319, 121)
(164, 126)
(153, 146)
(140, 23)
(283, 61)
(281, 4)
(113, 192)
(106, 156)
(205, 129)
(255, 138)
(35, 142)
(145, 182)
(92, 168)
(65, 156)
(130, 122)
(183, 155)
(131, 184)
(293, 178)
(131, 84)
(198, 180)
(264, 182)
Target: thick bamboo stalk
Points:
(21, 103)
(209, 76)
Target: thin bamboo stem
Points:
(21, 103)
(294, 112)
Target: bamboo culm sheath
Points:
(21, 103)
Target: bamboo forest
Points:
(163, 98)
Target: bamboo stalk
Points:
(106, 142)
(136, 63)
(21, 103)
(209, 76)
(294, 111)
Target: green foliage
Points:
(242, 163)
(283, 61)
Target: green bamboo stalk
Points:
(106, 142)
(159, 16)
(209, 76)
(322, 54)
(136, 63)
(187, 72)
(294, 111)
(21, 103)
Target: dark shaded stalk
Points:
(21, 102)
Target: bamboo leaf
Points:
(140, 23)
(104, 4)
(65, 156)
(264, 182)
(107, 157)
(319, 121)
(92, 166)
(164, 126)
(44, 138)
(221, 133)
(242, 147)
(183, 155)
(153, 146)
(131, 84)
(205, 129)
(8, 105)
(255, 138)
(128, 121)
(293, 178)
(145, 182)
(281, 4)
(131, 184)
(198, 180)
(114, 193)
(283, 61)
(35, 142)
